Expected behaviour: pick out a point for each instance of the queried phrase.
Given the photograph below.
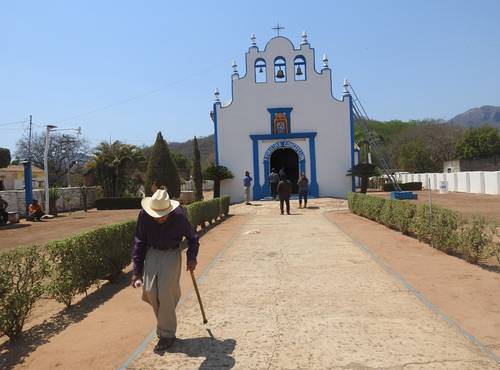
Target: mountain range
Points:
(476, 117)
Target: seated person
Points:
(4, 216)
(35, 211)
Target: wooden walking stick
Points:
(199, 297)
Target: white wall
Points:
(314, 110)
(478, 182)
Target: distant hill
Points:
(205, 144)
(475, 117)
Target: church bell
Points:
(260, 70)
(280, 73)
(299, 71)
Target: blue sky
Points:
(141, 67)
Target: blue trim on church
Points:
(351, 123)
(216, 143)
(259, 191)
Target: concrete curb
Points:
(417, 294)
(137, 352)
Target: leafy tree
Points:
(162, 170)
(217, 174)
(481, 142)
(65, 152)
(4, 157)
(365, 171)
(182, 163)
(197, 175)
(117, 167)
(414, 157)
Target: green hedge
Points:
(407, 186)
(207, 211)
(65, 268)
(81, 261)
(443, 228)
(118, 203)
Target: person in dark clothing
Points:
(303, 184)
(284, 193)
(4, 216)
(273, 183)
(35, 211)
(282, 173)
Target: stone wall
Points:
(69, 200)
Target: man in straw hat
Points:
(156, 255)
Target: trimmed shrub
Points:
(439, 227)
(403, 214)
(407, 186)
(83, 260)
(22, 279)
(224, 205)
(477, 239)
(118, 203)
(443, 228)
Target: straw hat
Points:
(159, 204)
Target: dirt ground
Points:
(102, 329)
(469, 294)
(465, 203)
(64, 225)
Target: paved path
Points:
(294, 292)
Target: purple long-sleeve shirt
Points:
(167, 235)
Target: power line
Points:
(143, 95)
(13, 123)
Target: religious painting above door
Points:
(280, 124)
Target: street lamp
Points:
(46, 160)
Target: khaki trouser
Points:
(247, 194)
(161, 289)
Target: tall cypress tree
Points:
(162, 170)
(197, 176)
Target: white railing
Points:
(478, 182)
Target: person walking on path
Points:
(156, 257)
(273, 182)
(303, 184)
(282, 173)
(247, 184)
(284, 192)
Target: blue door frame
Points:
(259, 191)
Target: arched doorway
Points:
(288, 160)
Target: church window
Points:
(300, 68)
(279, 69)
(260, 71)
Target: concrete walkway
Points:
(294, 292)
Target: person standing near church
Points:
(247, 184)
(284, 193)
(273, 182)
(282, 173)
(303, 184)
(156, 257)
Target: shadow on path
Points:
(13, 353)
(217, 353)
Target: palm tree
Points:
(217, 174)
(117, 167)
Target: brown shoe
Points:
(163, 344)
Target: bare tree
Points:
(66, 152)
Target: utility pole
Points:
(29, 139)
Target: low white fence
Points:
(479, 182)
(208, 185)
(70, 199)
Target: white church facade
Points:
(282, 114)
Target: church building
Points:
(282, 115)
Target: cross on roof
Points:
(278, 28)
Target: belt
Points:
(164, 248)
